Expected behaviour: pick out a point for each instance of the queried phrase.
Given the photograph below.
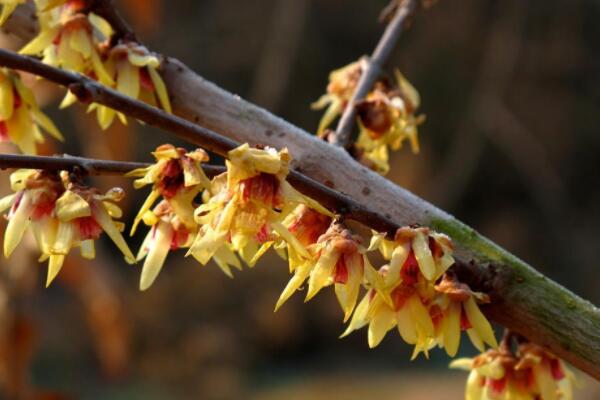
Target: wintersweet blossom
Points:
(386, 119)
(69, 39)
(134, 69)
(21, 119)
(341, 87)
(247, 207)
(167, 232)
(337, 258)
(178, 177)
(60, 218)
(532, 373)
(405, 296)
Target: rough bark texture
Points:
(522, 299)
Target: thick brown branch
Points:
(375, 65)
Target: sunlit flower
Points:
(69, 39)
(247, 207)
(386, 119)
(341, 87)
(8, 6)
(531, 373)
(337, 258)
(178, 177)
(21, 119)
(83, 214)
(134, 69)
(60, 219)
(405, 296)
(167, 232)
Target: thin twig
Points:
(88, 90)
(374, 68)
(90, 166)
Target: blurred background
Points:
(511, 91)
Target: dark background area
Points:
(511, 91)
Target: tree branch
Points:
(523, 300)
(381, 54)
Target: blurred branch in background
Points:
(276, 61)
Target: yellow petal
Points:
(80, 41)
(294, 284)
(68, 100)
(128, 79)
(70, 206)
(103, 75)
(420, 316)
(383, 320)
(545, 381)
(6, 98)
(347, 293)
(161, 90)
(151, 199)
(321, 275)
(479, 323)
(474, 390)
(7, 201)
(87, 249)
(108, 225)
(451, 328)
(7, 10)
(100, 24)
(105, 117)
(17, 224)
(464, 363)
(42, 41)
(406, 325)
(225, 258)
(55, 264)
(423, 255)
(159, 249)
(64, 238)
(46, 123)
(398, 258)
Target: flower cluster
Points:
(61, 215)
(530, 373)
(416, 294)
(21, 119)
(177, 177)
(74, 39)
(386, 117)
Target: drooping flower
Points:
(31, 206)
(386, 119)
(69, 39)
(337, 258)
(134, 69)
(247, 207)
(60, 219)
(341, 87)
(8, 6)
(21, 119)
(406, 296)
(83, 213)
(178, 177)
(167, 232)
(531, 373)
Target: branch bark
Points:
(522, 299)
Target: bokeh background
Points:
(511, 91)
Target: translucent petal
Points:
(359, 319)
(383, 320)
(17, 224)
(159, 249)
(87, 249)
(161, 90)
(80, 41)
(101, 25)
(295, 283)
(7, 10)
(480, 323)
(64, 238)
(55, 264)
(423, 255)
(70, 206)
(108, 225)
(128, 79)
(321, 275)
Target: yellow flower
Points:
(386, 119)
(337, 258)
(405, 295)
(342, 84)
(69, 39)
(531, 373)
(134, 70)
(177, 176)
(21, 119)
(167, 232)
(247, 207)
(8, 6)
(60, 219)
